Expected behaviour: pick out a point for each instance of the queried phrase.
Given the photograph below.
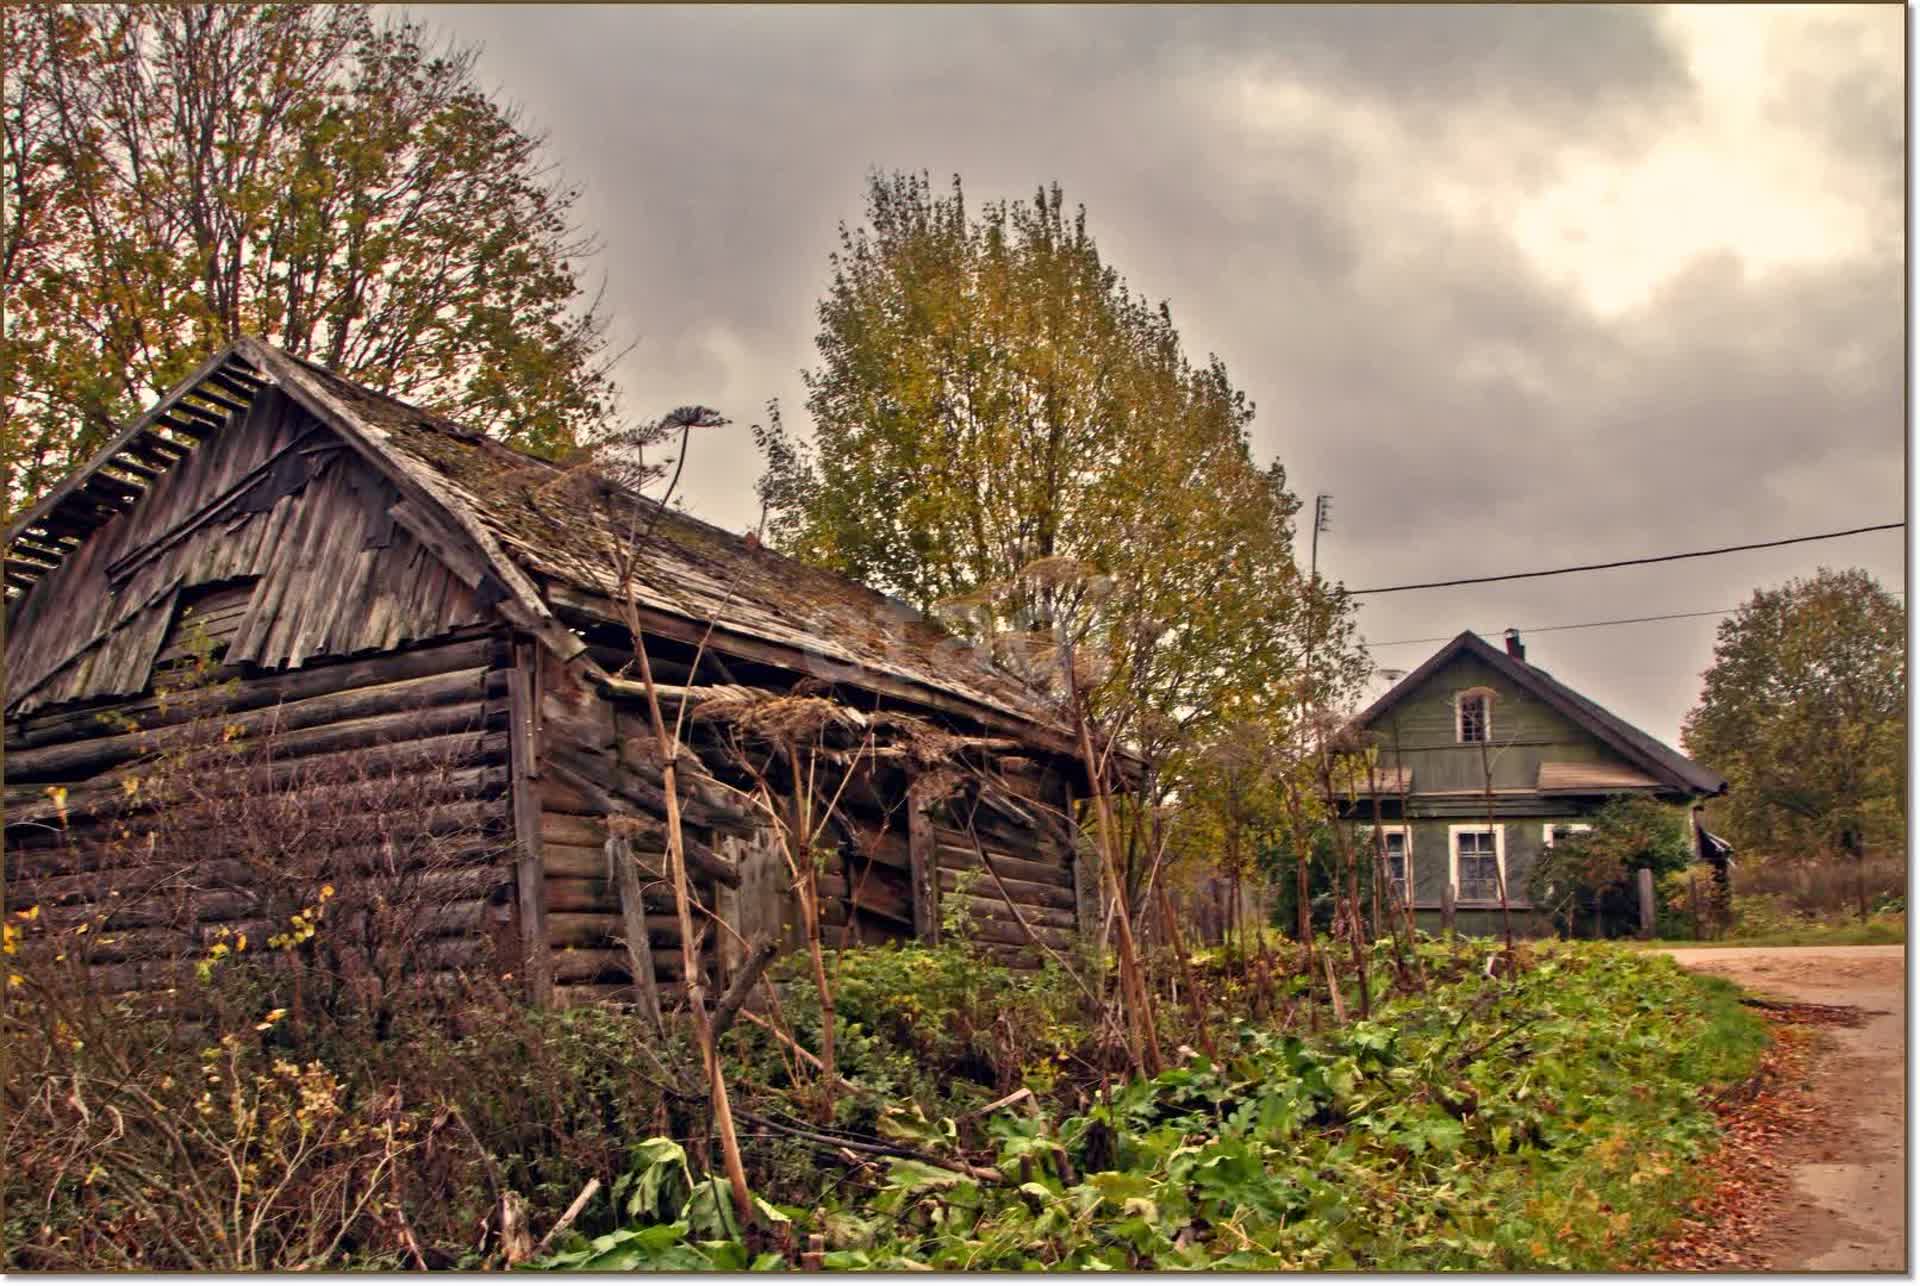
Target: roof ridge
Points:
(1630, 742)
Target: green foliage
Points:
(1804, 712)
(337, 184)
(1592, 873)
(991, 400)
(1549, 1122)
(940, 1026)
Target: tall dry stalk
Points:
(616, 476)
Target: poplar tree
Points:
(999, 419)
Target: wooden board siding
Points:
(1526, 733)
(395, 759)
(274, 502)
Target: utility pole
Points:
(1322, 519)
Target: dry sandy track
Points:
(1848, 1212)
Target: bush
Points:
(203, 1130)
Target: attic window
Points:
(1475, 714)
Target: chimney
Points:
(1515, 648)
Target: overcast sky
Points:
(1519, 287)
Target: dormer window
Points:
(1474, 708)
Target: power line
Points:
(1583, 625)
(1627, 562)
(1588, 625)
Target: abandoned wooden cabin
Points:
(369, 588)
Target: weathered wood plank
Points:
(633, 931)
(530, 879)
(1025, 892)
(922, 862)
(957, 857)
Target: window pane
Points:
(1479, 867)
(1473, 718)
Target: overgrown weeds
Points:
(1546, 1121)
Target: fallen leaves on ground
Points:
(1726, 1230)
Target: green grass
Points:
(1880, 931)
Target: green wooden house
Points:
(1483, 762)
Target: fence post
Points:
(1446, 908)
(1646, 902)
(1693, 899)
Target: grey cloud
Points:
(1470, 415)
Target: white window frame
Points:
(1405, 832)
(1454, 833)
(1548, 828)
(1486, 696)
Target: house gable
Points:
(271, 539)
(1526, 735)
(1643, 756)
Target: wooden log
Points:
(985, 907)
(1025, 892)
(1011, 934)
(599, 928)
(598, 893)
(252, 691)
(348, 773)
(128, 887)
(426, 822)
(575, 965)
(587, 830)
(572, 861)
(700, 858)
(957, 858)
(395, 702)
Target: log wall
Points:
(397, 764)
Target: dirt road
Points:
(1848, 1212)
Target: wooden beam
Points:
(633, 921)
(235, 382)
(192, 426)
(205, 394)
(922, 862)
(114, 446)
(530, 877)
(599, 609)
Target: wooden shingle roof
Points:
(506, 521)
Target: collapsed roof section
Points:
(533, 538)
